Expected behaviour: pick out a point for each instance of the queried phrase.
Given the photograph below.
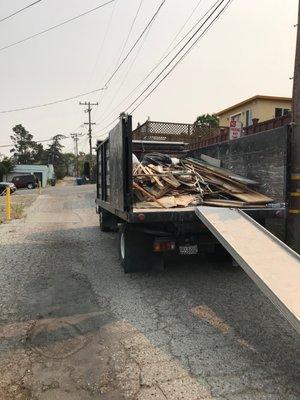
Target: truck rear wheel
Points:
(108, 222)
(135, 250)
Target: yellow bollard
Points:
(8, 204)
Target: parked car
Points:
(25, 181)
(4, 185)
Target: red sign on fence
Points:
(235, 129)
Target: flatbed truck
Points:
(146, 235)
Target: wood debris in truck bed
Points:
(189, 183)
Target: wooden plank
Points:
(229, 203)
(154, 178)
(164, 202)
(169, 178)
(223, 171)
(163, 191)
(166, 176)
(146, 205)
(139, 195)
(224, 203)
(237, 190)
(185, 200)
(157, 168)
(145, 192)
(146, 172)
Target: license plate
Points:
(188, 250)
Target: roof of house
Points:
(258, 96)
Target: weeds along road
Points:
(73, 326)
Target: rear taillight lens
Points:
(163, 245)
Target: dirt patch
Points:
(55, 339)
(19, 204)
(115, 361)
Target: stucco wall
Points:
(263, 109)
(266, 109)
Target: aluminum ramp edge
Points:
(220, 221)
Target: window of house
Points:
(236, 117)
(249, 117)
(279, 112)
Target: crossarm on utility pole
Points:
(89, 123)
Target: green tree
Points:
(38, 154)
(81, 160)
(207, 120)
(69, 162)
(56, 156)
(26, 150)
(23, 142)
(6, 166)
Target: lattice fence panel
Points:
(173, 132)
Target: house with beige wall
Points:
(257, 107)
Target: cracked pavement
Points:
(74, 326)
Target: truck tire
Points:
(135, 250)
(108, 222)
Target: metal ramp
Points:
(272, 265)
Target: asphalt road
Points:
(73, 326)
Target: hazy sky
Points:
(250, 50)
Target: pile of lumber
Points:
(192, 182)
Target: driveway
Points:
(74, 326)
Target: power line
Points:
(111, 77)
(107, 126)
(103, 40)
(36, 141)
(130, 67)
(22, 9)
(126, 73)
(51, 103)
(129, 32)
(125, 42)
(182, 27)
(181, 58)
(55, 26)
(177, 54)
(164, 57)
(135, 43)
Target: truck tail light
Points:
(163, 245)
(141, 217)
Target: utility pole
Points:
(293, 218)
(90, 123)
(75, 137)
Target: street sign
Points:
(235, 129)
